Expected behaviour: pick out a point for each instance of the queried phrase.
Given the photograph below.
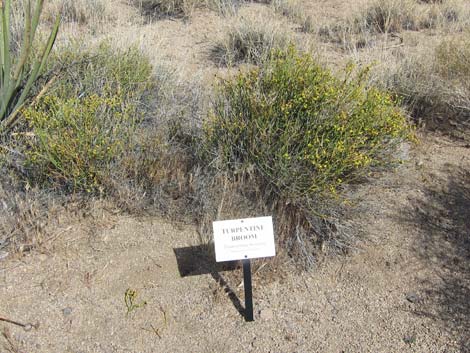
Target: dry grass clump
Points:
(184, 8)
(16, 25)
(248, 41)
(83, 12)
(395, 16)
(435, 87)
(160, 169)
(224, 7)
(294, 10)
(25, 217)
(386, 16)
(382, 18)
(453, 60)
(167, 8)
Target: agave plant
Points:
(17, 73)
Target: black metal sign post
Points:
(248, 290)
(244, 239)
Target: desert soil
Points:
(405, 289)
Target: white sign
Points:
(247, 238)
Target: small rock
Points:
(67, 311)
(404, 151)
(42, 257)
(266, 314)
(3, 255)
(412, 297)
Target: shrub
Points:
(83, 126)
(300, 134)
(303, 129)
(76, 140)
(101, 71)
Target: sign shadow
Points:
(199, 260)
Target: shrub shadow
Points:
(443, 215)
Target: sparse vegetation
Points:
(82, 12)
(435, 87)
(293, 10)
(151, 119)
(389, 16)
(289, 127)
(160, 8)
(248, 41)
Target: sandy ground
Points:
(406, 289)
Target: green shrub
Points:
(83, 126)
(76, 140)
(303, 129)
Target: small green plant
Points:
(130, 298)
(304, 130)
(18, 75)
